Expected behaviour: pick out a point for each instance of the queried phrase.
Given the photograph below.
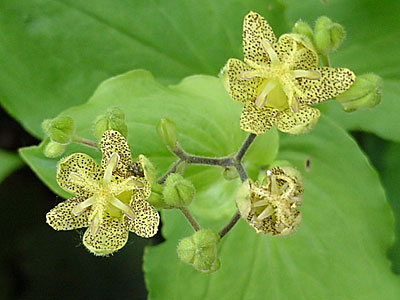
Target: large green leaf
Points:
(55, 52)
(207, 122)
(371, 45)
(391, 178)
(339, 251)
(9, 162)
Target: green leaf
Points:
(339, 251)
(207, 124)
(391, 178)
(9, 162)
(54, 53)
(371, 45)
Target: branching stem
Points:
(87, 142)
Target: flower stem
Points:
(229, 226)
(190, 219)
(245, 146)
(325, 60)
(81, 140)
(171, 170)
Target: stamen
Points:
(248, 75)
(81, 207)
(95, 225)
(266, 213)
(307, 74)
(262, 97)
(125, 208)
(111, 166)
(274, 187)
(267, 47)
(294, 104)
(260, 203)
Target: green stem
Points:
(171, 170)
(190, 219)
(87, 142)
(325, 60)
(229, 226)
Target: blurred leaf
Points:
(207, 124)
(371, 46)
(55, 52)
(391, 178)
(9, 162)
(339, 251)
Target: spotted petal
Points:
(114, 142)
(256, 120)
(239, 89)
(111, 237)
(296, 53)
(147, 219)
(299, 122)
(62, 218)
(333, 82)
(79, 174)
(255, 30)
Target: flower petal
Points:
(293, 51)
(147, 219)
(333, 82)
(256, 120)
(240, 90)
(299, 122)
(111, 237)
(84, 168)
(62, 218)
(255, 30)
(114, 142)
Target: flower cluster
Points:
(109, 198)
(279, 79)
(271, 207)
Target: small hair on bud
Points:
(53, 149)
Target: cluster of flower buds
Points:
(112, 119)
(60, 131)
(177, 192)
(270, 207)
(200, 250)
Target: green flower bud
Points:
(230, 173)
(53, 149)
(303, 28)
(200, 250)
(366, 91)
(156, 198)
(60, 129)
(328, 35)
(166, 130)
(178, 191)
(112, 119)
(148, 168)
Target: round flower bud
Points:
(200, 250)
(112, 119)
(166, 130)
(60, 129)
(178, 191)
(53, 149)
(366, 91)
(328, 35)
(230, 173)
(156, 198)
(303, 28)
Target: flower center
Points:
(279, 85)
(109, 195)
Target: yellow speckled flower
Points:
(109, 199)
(271, 207)
(279, 79)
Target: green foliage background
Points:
(54, 53)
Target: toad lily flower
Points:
(109, 199)
(271, 207)
(279, 79)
